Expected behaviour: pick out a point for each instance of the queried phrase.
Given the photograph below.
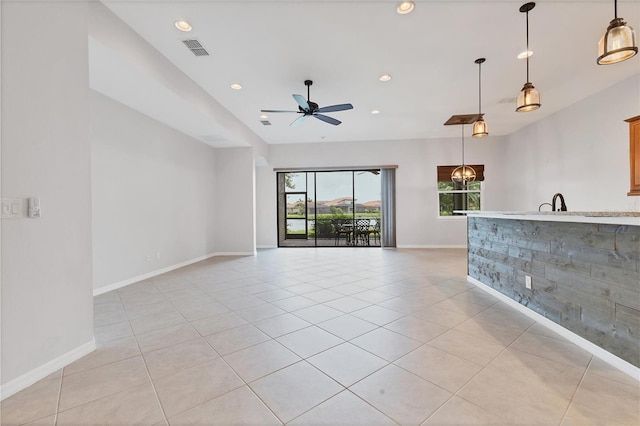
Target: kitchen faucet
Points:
(563, 206)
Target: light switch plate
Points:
(12, 208)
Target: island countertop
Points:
(605, 217)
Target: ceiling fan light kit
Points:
(308, 108)
(618, 43)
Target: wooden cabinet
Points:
(634, 154)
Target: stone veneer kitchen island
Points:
(584, 269)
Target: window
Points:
(452, 196)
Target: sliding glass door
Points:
(329, 209)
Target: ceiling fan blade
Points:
(298, 120)
(302, 102)
(332, 108)
(327, 119)
(275, 110)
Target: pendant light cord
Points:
(528, 46)
(462, 127)
(615, 9)
(480, 89)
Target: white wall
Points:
(418, 224)
(47, 310)
(153, 192)
(266, 214)
(581, 151)
(235, 201)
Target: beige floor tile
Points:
(441, 368)
(603, 369)
(188, 297)
(35, 402)
(501, 313)
(519, 402)
(239, 407)
(294, 390)
(471, 348)
(303, 288)
(553, 349)
(233, 340)
(188, 388)
(110, 332)
(136, 405)
(386, 344)
(317, 313)
(166, 337)
(441, 316)
(281, 324)
(347, 363)
(559, 378)
(294, 303)
(616, 401)
(457, 411)
(260, 312)
(322, 296)
(45, 421)
(378, 315)
(374, 296)
(275, 294)
(90, 385)
(347, 304)
(106, 353)
(101, 319)
(53, 376)
(218, 323)
(158, 321)
(489, 331)
(416, 328)
(343, 409)
(309, 341)
(181, 356)
(460, 306)
(347, 326)
(243, 302)
(262, 359)
(138, 311)
(194, 313)
(348, 289)
(402, 396)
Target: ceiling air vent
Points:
(266, 122)
(196, 47)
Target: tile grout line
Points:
(575, 391)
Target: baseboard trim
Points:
(129, 281)
(267, 247)
(432, 246)
(39, 373)
(585, 344)
(124, 283)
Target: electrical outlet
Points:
(527, 281)
(148, 258)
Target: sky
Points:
(332, 185)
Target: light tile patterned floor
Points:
(324, 336)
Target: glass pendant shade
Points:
(462, 175)
(617, 44)
(528, 99)
(480, 129)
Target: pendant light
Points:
(529, 97)
(463, 174)
(480, 127)
(618, 43)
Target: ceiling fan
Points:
(308, 108)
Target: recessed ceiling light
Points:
(525, 54)
(263, 117)
(183, 26)
(385, 77)
(236, 86)
(375, 111)
(405, 7)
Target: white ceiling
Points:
(271, 47)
